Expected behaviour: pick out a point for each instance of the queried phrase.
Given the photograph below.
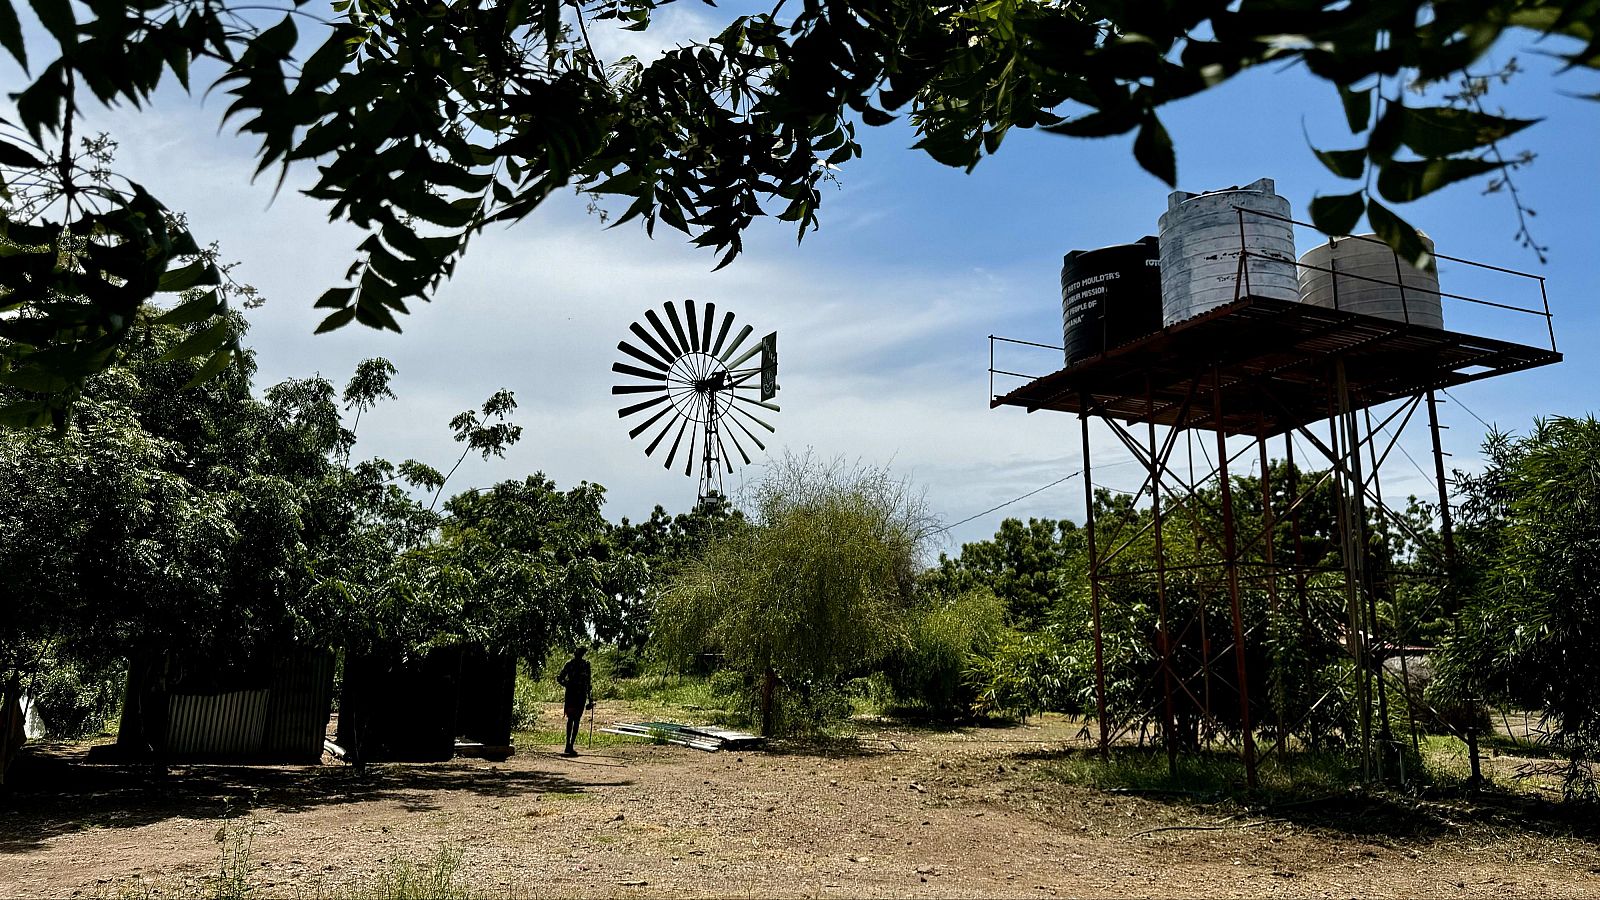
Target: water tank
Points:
(1109, 296)
(1368, 278)
(1200, 249)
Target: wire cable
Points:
(1464, 406)
(1007, 503)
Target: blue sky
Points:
(882, 314)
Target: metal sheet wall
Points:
(216, 724)
(300, 698)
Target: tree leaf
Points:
(336, 298)
(1338, 214)
(56, 16)
(1357, 107)
(11, 35)
(196, 273)
(201, 343)
(1344, 163)
(1096, 124)
(1399, 234)
(1435, 131)
(1153, 149)
(13, 155)
(200, 308)
(211, 369)
(1403, 182)
(337, 320)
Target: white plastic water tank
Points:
(1201, 248)
(1360, 274)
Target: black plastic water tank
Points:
(1109, 296)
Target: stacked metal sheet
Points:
(698, 737)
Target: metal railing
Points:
(1242, 282)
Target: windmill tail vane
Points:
(698, 380)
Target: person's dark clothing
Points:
(575, 677)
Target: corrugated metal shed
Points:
(270, 710)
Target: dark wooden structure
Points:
(421, 709)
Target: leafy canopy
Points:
(430, 121)
(813, 587)
(1531, 546)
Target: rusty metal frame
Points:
(1255, 369)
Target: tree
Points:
(812, 590)
(664, 544)
(431, 121)
(1027, 566)
(519, 568)
(162, 519)
(945, 635)
(1531, 547)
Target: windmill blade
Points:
(640, 429)
(650, 341)
(637, 388)
(734, 438)
(688, 458)
(677, 326)
(710, 317)
(749, 434)
(653, 444)
(625, 369)
(746, 355)
(764, 404)
(739, 339)
(740, 410)
(722, 335)
(627, 411)
(675, 442)
(655, 322)
(694, 327)
(642, 356)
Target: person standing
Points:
(577, 678)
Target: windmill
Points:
(698, 388)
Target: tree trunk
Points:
(13, 734)
(769, 687)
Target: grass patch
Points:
(1498, 742)
(439, 877)
(690, 698)
(550, 737)
(1211, 775)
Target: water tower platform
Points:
(1272, 362)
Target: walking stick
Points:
(591, 724)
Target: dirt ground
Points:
(900, 812)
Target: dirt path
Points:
(904, 814)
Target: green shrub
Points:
(726, 683)
(530, 693)
(619, 662)
(942, 644)
(76, 701)
(1028, 673)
